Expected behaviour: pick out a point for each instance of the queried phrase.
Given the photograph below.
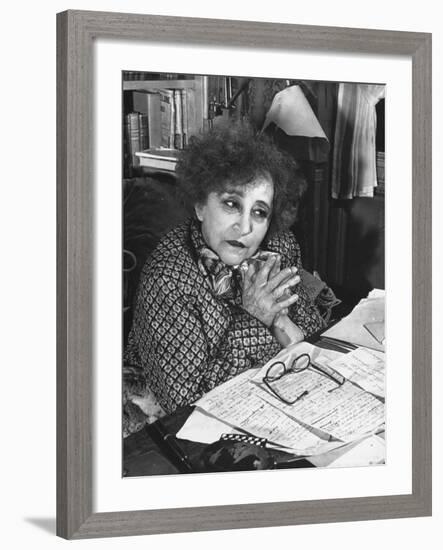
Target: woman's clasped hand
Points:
(266, 290)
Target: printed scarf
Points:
(227, 281)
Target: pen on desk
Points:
(169, 445)
(339, 343)
(329, 371)
(324, 344)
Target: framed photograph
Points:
(118, 75)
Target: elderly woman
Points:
(221, 293)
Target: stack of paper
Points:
(327, 412)
(365, 325)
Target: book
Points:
(135, 139)
(380, 167)
(185, 128)
(178, 121)
(158, 158)
(132, 131)
(131, 143)
(167, 117)
(192, 126)
(164, 153)
(143, 131)
(147, 102)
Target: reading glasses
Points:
(302, 362)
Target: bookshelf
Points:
(151, 104)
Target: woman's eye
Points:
(231, 204)
(261, 213)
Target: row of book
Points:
(139, 75)
(380, 167)
(136, 133)
(160, 119)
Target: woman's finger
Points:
(275, 268)
(265, 269)
(284, 287)
(284, 304)
(285, 274)
(249, 275)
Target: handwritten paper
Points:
(345, 412)
(240, 405)
(364, 367)
(205, 428)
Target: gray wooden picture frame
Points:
(76, 32)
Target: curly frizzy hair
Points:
(234, 155)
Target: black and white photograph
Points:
(253, 296)
(221, 329)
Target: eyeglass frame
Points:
(333, 375)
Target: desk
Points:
(142, 456)
(146, 455)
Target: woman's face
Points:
(235, 221)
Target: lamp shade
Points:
(290, 111)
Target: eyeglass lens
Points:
(301, 362)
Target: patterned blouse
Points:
(187, 340)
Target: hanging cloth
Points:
(354, 171)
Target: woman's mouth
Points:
(236, 244)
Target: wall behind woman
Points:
(356, 258)
(343, 240)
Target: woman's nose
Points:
(244, 224)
